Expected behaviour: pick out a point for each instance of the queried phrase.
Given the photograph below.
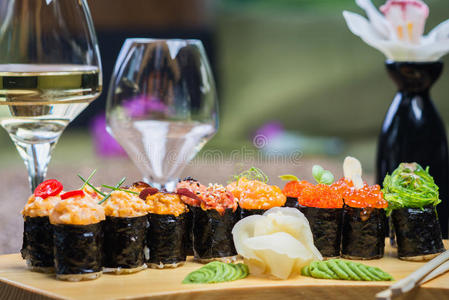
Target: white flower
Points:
(399, 34)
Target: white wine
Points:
(38, 101)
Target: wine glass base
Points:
(169, 186)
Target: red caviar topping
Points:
(321, 196)
(367, 196)
(294, 188)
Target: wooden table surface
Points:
(16, 282)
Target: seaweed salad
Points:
(412, 196)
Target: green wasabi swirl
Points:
(344, 270)
(217, 272)
(410, 186)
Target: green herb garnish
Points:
(410, 186)
(322, 176)
(252, 174)
(115, 187)
(119, 189)
(86, 182)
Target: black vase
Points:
(413, 131)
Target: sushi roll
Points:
(214, 215)
(253, 194)
(167, 233)
(412, 196)
(125, 230)
(364, 220)
(191, 185)
(323, 207)
(37, 248)
(255, 197)
(78, 237)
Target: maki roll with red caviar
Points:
(412, 197)
(166, 236)
(125, 230)
(37, 248)
(190, 185)
(364, 218)
(323, 207)
(78, 237)
(214, 215)
(253, 194)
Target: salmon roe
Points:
(367, 196)
(320, 196)
(254, 194)
(294, 188)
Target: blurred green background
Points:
(292, 61)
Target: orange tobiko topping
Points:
(255, 194)
(294, 188)
(320, 196)
(367, 196)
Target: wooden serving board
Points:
(16, 282)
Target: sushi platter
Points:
(18, 283)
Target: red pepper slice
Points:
(48, 188)
(72, 194)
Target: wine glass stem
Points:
(36, 158)
(168, 186)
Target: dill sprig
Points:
(115, 187)
(252, 174)
(119, 189)
(86, 182)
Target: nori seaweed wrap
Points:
(212, 234)
(412, 196)
(166, 240)
(363, 233)
(78, 251)
(124, 243)
(418, 233)
(37, 246)
(250, 212)
(326, 224)
(188, 240)
(291, 202)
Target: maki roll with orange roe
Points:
(166, 236)
(125, 230)
(255, 197)
(37, 248)
(292, 190)
(214, 215)
(78, 237)
(323, 207)
(364, 220)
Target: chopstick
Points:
(429, 271)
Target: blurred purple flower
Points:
(104, 143)
(270, 130)
(140, 105)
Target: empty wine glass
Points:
(162, 105)
(49, 72)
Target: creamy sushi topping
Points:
(40, 207)
(125, 205)
(217, 197)
(255, 194)
(193, 186)
(93, 194)
(165, 204)
(80, 209)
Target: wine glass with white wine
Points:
(162, 106)
(50, 71)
